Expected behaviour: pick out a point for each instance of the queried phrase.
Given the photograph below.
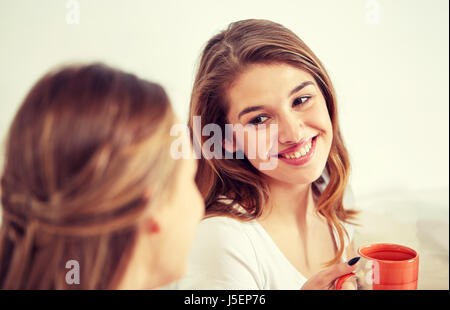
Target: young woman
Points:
(89, 185)
(269, 228)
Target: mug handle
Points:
(341, 280)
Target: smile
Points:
(299, 154)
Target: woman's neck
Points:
(141, 271)
(289, 203)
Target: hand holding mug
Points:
(326, 279)
(385, 266)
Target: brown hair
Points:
(227, 55)
(83, 150)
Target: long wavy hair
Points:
(225, 182)
(82, 151)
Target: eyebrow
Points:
(250, 109)
(260, 107)
(300, 87)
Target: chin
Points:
(296, 177)
(297, 181)
(169, 274)
(178, 272)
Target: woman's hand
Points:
(325, 279)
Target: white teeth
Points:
(293, 155)
(302, 152)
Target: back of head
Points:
(83, 149)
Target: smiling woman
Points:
(277, 228)
(292, 101)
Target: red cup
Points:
(386, 266)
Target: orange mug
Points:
(385, 266)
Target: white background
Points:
(391, 79)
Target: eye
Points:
(301, 100)
(258, 120)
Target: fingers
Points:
(341, 269)
(325, 279)
(349, 284)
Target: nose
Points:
(289, 129)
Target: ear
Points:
(151, 225)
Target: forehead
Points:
(264, 84)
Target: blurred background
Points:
(388, 60)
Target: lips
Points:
(298, 149)
(301, 156)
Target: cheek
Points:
(201, 205)
(321, 122)
(195, 209)
(258, 144)
(322, 119)
(328, 133)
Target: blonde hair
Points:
(225, 56)
(82, 152)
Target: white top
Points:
(230, 254)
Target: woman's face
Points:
(178, 219)
(288, 97)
